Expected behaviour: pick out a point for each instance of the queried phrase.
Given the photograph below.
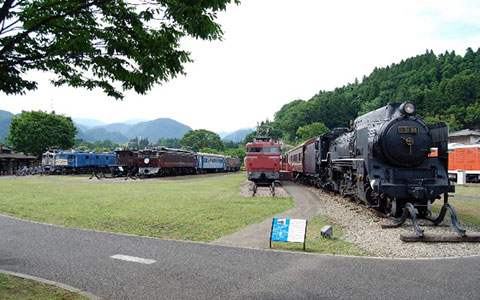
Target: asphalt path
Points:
(307, 206)
(187, 270)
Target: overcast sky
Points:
(274, 52)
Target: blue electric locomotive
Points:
(83, 162)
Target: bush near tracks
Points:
(202, 209)
(13, 288)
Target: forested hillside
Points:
(5, 120)
(443, 88)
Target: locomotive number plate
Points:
(407, 129)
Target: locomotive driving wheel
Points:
(392, 207)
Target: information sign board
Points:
(288, 230)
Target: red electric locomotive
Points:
(262, 161)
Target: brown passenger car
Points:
(233, 164)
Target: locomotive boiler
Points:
(384, 161)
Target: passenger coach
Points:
(210, 163)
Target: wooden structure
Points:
(10, 161)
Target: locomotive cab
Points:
(262, 160)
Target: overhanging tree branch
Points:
(5, 9)
(9, 46)
(136, 43)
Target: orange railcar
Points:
(464, 158)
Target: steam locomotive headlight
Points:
(408, 108)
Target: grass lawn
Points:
(467, 210)
(316, 243)
(468, 190)
(13, 288)
(181, 209)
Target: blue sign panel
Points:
(280, 229)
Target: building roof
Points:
(16, 156)
(465, 132)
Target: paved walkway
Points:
(257, 235)
(166, 269)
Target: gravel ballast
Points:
(362, 227)
(246, 190)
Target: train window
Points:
(450, 150)
(70, 156)
(87, 157)
(254, 149)
(96, 157)
(271, 150)
(478, 149)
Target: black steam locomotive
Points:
(384, 161)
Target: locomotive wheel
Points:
(423, 213)
(393, 207)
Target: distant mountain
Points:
(5, 120)
(101, 134)
(134, 121)
(115, 132)
(80, 127)
(121, 132)
(88, 122)
(163, 127)
(223, 134)
(116, 127)
(238, 135)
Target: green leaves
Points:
(35, 131)
(195, 140)
(443, 88)
(308, 131)
(98, 43)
